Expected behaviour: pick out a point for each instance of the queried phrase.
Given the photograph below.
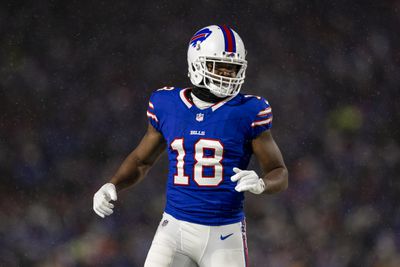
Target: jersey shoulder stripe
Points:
(260, 114)
(261, 122)
(152, 116)
(261, 108)
(265, 112)
(158, 104)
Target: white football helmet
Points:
(210, 46)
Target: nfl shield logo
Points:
(199, 117)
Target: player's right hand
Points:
(102, 198)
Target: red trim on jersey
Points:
(261, 122)
(187, 97)
(265, 112)
(222, 102)
(151, 115)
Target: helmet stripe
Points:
(230, 43)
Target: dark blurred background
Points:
(75, 78)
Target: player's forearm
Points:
(131, 171)
(276, 180)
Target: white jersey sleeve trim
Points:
(264, 112)
(152, 116)
(262, 122)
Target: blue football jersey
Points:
(203, 148)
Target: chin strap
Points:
(205, 95)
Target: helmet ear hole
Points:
(194, 75)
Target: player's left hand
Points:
(248, 181)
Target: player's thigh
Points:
(164, 247)
(226, 247)
(182, 260)
(175, 259)
(227, 257)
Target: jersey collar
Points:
(188, 102)
(184, 98)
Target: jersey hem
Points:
(202, 222)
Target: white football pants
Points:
(184, 244)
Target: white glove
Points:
(248, 181)
(101, 200)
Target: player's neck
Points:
(205, 95)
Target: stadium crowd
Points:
(75, 77)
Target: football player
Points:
(210, 132)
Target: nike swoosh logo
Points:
(225, 237)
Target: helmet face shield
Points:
(217, 62)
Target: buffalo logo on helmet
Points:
(200, 36)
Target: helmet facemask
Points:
(221, 85)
